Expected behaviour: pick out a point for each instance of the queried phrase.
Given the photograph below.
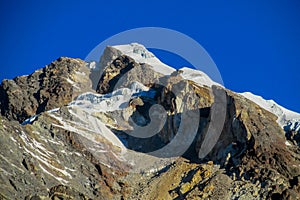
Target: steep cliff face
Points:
(122, 71)
(253, 147)
(80, 144)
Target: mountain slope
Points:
(143, 135)
(287, 119)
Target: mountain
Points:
(131, 127)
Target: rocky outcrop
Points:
(122, 72)
(51, 87)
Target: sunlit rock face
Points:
(95, 130)
(51, 87)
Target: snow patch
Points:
(77, 154)
(53, 110)
(13, 139)
(61, 180)
(287, 143)
(94, 66)
(29, 120)
(117, 100)
(72, 83)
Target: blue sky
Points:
(255, 44)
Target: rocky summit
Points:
(131, 127)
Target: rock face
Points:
(41, 157)
(79, 144)
(53, 86)
(122, 71)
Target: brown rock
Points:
(51, 87)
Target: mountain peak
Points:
(141, 55)
(135, 48)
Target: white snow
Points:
(286, 118)
(63, 151)
(77, 154)
(72, 83)
(293, 124)
(72, 170)
(197, 76)
(61, 180)
(13, 139)
(92, 102)
(38, 155)
(39, 146)
(141, 55)
(93, 66)
(30, 120)
(117, 100)
(53, 110)
(38, 151)
(287, 143)
(94, 125)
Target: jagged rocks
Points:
(51, 87)
(122, 72)
(113, 72)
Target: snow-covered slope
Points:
(197, 76)
(117, 100)
(141, 55)
(286, 118)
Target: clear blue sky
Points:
(255, 44)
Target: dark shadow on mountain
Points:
(95, 77)
(156, 142)
(3, 101)
(121, 66)
(191, 153)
